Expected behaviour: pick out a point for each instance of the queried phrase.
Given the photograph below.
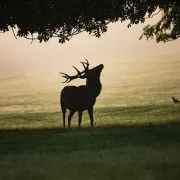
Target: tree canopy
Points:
(44, 19)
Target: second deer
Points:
(81, 98)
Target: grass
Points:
(136, 115)
(136, 134)
(119, 152)
(126, 143)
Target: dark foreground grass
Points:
(119, 152)
(130, 143)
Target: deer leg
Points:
(90, 112)
(69, 118)
(64, 117)
(80, 118)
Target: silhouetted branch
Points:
(62, 20)
(13, 32)
(151, 16)
(32, 38)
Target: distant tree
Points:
(44, 19)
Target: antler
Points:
(86, 68)
(79, 74)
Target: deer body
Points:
(77, 98)
(81, 98)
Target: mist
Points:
(118, 44)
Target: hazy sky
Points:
(117, 44)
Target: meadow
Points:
(136, 134)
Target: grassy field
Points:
(136, 134)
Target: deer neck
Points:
(94, 87)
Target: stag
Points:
(81, 98)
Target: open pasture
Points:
(136, 134)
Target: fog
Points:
(118, 44)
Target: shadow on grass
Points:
(56, 129)
(59, 140)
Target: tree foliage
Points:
(44, 19)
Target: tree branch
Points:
(13, 32)
(32, 38)
(151, 16)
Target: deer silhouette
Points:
(81, 98)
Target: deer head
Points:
(89, 74)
